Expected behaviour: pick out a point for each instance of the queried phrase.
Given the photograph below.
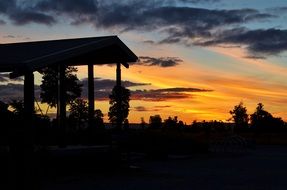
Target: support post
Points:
(119, 75)
(25, 138)
(119, 98)
(22, 146)
(91, 95)
(29, 98)
(61, 105)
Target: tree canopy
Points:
(155, 122)
(79, 110)
(263, 120)
(240, 116)
(119, 104)
(49, 86)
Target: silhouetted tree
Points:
(18, 108)
(98, 117)
(79, 111)
(263, 120)
(240, 116)
(96, 132)
(3, 108)
(259, 116)
(180, 125)
(195, 126)
(155, 122)
(5, 118)
(170, 122)
(143, 123)
(119, 104)
(126, 124)
(49, 86)
(5, 114)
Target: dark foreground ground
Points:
(262, 168)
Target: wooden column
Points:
(22, 146)
(25, 137)
(119, 98)
(91, 95)
(29, 98)
(61, 105)
(119, 75)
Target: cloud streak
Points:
(165, 94)
(148, 109)
(13, 91)
(103, 88)
(161, 62)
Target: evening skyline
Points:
(198, 58)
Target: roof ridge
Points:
(57, 40)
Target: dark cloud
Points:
(147, 95)
(103, 88)
(260, 16)
(162, 61)
(5, 6)
(21, 15)
(80, 11)
(176, 20)
(254, 57)
(145, 109)
(12, 91)
(165, 94)
(2, 22)
(140, 108)
(68, 6)
(277, 10)
(149, 42)
(181, 90)
(16, 36)
(193, 24)
(199, 1)
(151, 18)
(108, 84)
(26, 17)
(167, 106)
(135, 14)
(9, 36)
(156, 61)
(187, 25)
(258, 42)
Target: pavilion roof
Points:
(18, 58)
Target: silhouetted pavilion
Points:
(22, 59)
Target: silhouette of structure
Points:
(22, 59)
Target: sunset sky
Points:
(198, 58)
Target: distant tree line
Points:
(78, 131)
(259, 121)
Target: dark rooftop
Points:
(80, 51)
